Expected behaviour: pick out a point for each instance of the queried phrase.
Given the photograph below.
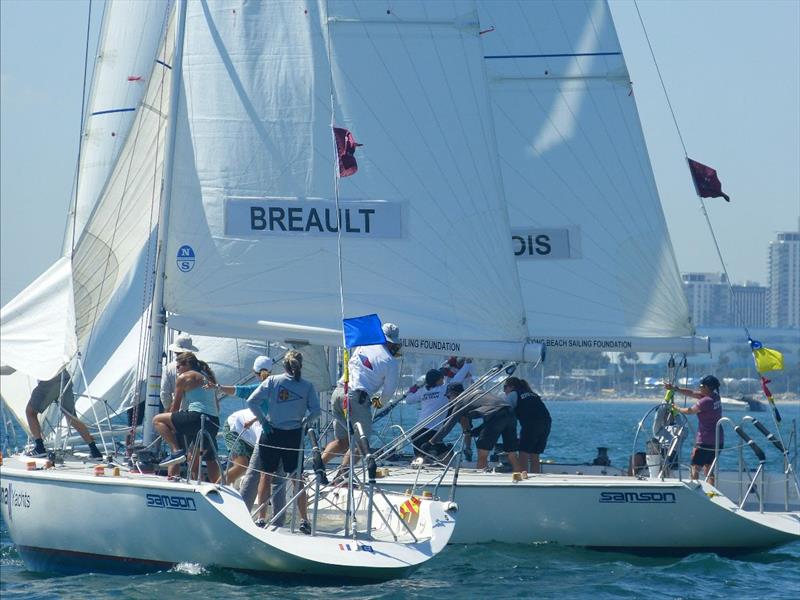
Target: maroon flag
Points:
(346, 148)
(706, 181)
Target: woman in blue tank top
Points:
(179, 428)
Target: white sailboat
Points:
(597, 271)
(236, 127)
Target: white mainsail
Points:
(595, 259)
(252, 247)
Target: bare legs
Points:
(530, 462)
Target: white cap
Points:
(392, 333)
(262, 363)
(182, 343)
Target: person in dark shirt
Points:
(498, 419)
(708, 410)
(534, 419)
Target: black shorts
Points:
(703, 455)
(504, 423)
(533, 437)
(187, 426)
(280, 446)
(421, 437)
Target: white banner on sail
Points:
(245, 217)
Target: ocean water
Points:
(494, 570)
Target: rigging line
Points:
(336, 176)
(80, 131)
(660, 78)
(686, 155)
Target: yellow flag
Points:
(768, 359)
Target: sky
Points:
(731, 69)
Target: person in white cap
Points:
(181, 344)
(371, 368)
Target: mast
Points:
(158, 316)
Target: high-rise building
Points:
(784, 280)
(709, 299)
(749, 305)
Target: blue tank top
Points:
(201, 400)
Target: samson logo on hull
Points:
(170, 502)
(637, 497)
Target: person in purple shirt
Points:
(708, 410)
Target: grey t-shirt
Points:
(284, 401)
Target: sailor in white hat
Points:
(182, 343)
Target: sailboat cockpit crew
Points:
(432, 398)
(59, 388)
(182, 343)
(180, 428)
(371, 369)
(708, 409)
(534, 420)
(498, 419)
(283, 404)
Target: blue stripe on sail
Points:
(112, 110)
(568, 55)
(163, 64)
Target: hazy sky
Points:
(732, 69)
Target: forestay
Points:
(252, 245)
(595, 260)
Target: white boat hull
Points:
(605, 511)
(68, 520)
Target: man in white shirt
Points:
(371, 368)
(182, 343)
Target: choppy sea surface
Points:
(494, 570)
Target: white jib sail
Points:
(252, 239)
(595, 259)
(129, 39)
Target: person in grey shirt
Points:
(498, 419)
(283, 405)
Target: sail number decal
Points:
(637, 498)
(247, 217)
(170, 502)
(534, 243)
(356, 548)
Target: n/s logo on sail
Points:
(185, 258)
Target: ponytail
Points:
(293, 364)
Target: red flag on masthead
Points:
(706, 181)
(346, 148)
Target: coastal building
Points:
(784, 280)
(749, 305)
(709, 299)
